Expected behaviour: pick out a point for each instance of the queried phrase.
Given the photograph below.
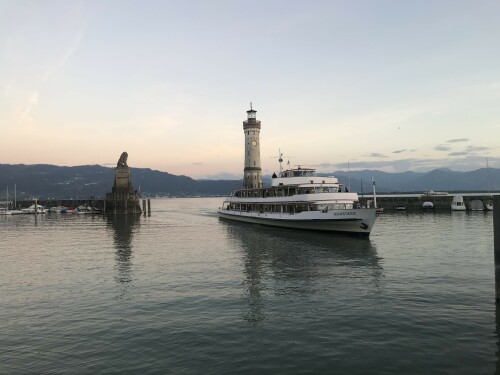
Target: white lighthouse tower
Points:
(253, 172)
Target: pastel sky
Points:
(389, 85)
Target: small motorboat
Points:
(457, 204)
(58, 210)
(34, 209)
(81, 210)
(428, 205)
(476, 205)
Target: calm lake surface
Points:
(181, 292)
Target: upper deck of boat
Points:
(294, 182)
(302, 177)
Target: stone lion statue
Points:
(122, 162)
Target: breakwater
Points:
(389, 202)
(414, 202)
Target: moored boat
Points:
(82, 209)
(457, 204)
(58, 210)
(476, 205)
(428, 205)
(34, 209)
(488, 206)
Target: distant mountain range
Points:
(484, 179)
(81, 182)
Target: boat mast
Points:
(374, 193)
(487, 175)
(348, 176)
(280, 159)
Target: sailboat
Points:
(6, 209)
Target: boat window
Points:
(336, 206)
(320, 207)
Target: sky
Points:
(389, 85)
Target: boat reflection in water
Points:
(281, 266)
(123, 227)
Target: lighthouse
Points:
(252, 176)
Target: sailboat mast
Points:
(348, 176)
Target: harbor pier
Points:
(415, 202)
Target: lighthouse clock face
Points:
(254, 143)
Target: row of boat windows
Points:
(288, 208)
(298, 173)
(286, 191)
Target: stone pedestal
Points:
(123, 199)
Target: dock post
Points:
(149, 207)
(496, 243)
(144, 206)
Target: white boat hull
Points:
(355, 221)
(11, 212)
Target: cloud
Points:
(222, 176)
(375, 155)
(327, 165)
(457, 140)
(32, 102)
(442, 148)
(65, 56)
(470, 150)
(398, 151)
(197, 163)
(55, 64)
(463, 162)
(476, 148)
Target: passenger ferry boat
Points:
(299, 199)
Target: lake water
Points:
(182, 292)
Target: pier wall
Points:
(387, 202)
(415, 202)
